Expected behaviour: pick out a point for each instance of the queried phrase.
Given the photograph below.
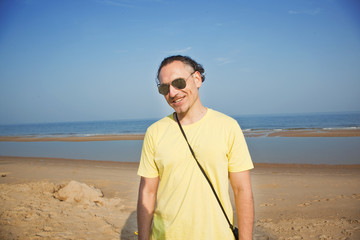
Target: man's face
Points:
(181, 100)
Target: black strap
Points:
(207, 178)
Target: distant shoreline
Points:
(72, 138)
(341, 132)
(258, 133)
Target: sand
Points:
(79, 199)
(317, 133)
(72, 138)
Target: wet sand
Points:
(72, 138)
(292, 201)
(317, 133)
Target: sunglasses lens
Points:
(179, 83)
(163, 89)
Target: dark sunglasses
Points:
(178, 83)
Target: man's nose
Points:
(173, 91)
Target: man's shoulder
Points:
(219, 116)
(165, 121)
(223, 121)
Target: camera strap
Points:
(205, 175)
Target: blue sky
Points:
(81, 60)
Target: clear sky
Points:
(82, 60)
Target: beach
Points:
(58, 198)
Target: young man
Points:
(173, 192)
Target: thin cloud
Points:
(305, 12)
(312, 11)
(119, 3)
(292, 12)
(179, 51)
(223, 61)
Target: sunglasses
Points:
(179, 83)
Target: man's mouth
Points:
(178, 100)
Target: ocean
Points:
(301, 150)
(249, 123)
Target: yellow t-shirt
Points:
(186, 207)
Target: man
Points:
(171, 180)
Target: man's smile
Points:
(178, 99)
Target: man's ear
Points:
(198, 79)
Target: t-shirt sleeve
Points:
(239, 156)
(147, 166)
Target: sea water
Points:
(138, 126)
(302, 150)
(315, 150)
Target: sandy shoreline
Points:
(292, 201)
(318, 133)
(283, 133)
(72, 138)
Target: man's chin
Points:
(178, 110)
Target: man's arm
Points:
(240, 182)
(146, 206)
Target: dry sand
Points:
(291, 201)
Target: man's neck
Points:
(192, 116)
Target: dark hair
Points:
(186, 60)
